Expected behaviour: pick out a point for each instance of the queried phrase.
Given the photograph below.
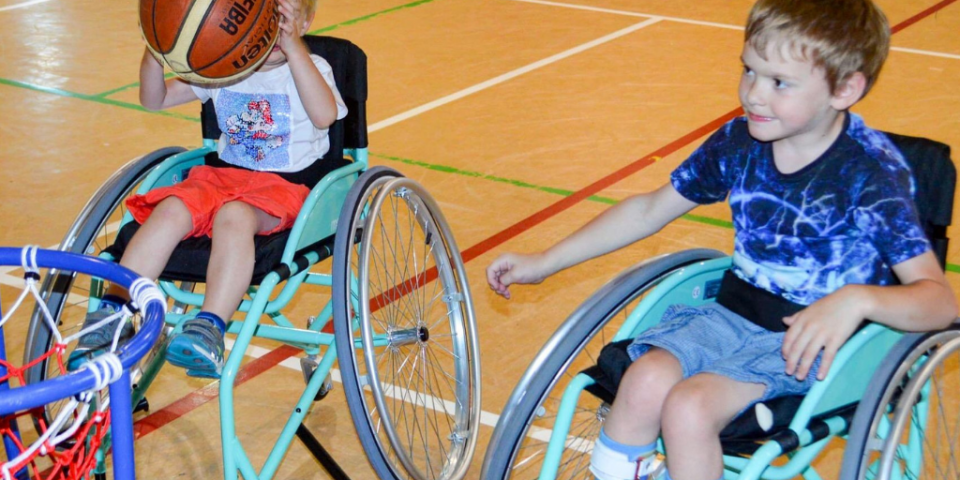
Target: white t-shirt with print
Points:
(263, 123)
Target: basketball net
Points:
(76, 433)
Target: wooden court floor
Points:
(523, 118)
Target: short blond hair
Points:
(308, 7)
(841, 36)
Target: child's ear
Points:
(850, 91)
(308, 19)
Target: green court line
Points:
(127, 87)
(94, 98)
(314, 32)
(368, 17)
(557, 191)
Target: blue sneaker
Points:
(95, 342)
(198, 348)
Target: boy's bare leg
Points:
(151, 247)
(634, 417)
(694, 413)
(232, 255)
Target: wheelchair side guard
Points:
(320, 212)
(694, 284)
(850, 373)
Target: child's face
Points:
(784, 97)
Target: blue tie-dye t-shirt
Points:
(843, 219)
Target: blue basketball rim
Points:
(144, 294)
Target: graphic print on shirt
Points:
(843, 220)
(257, 127)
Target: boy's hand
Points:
(293, 25)
(825, 325)
(511, 268)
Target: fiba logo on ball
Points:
(210, 41)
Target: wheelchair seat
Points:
(190, 258)
(935, 177)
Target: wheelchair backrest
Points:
(349, 65)
(936, 179)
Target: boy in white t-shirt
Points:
(274, 127)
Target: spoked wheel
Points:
(67, 295)
(908, 424)
(405, 331)
(550, 403)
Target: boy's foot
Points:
(95, 342)
(615, 466)
(198, 348)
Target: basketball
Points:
(210, 41)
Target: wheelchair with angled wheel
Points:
(894, 396)
(400, 304)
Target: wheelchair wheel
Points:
(908, 424)
(67, 295)
(405, 331)
(538, 407)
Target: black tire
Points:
(88, 235)
(893, 405)
(519, 440)
(406, 344)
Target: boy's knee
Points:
(648, 379)
(235, 217)
(172, 210)
(688, 407)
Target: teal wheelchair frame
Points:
(346, 216)
(892, 395)
(548, 386)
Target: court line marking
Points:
(509, 75)
(203, 395)
(186, 404)
(320, 30)
(22, 5)
(627, 13)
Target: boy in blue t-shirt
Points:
(824, 224)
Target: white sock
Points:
(612, 460)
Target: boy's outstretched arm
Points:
(924, 301)
(631, 220)
(157, 93)
(315, 94)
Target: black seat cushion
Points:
(189, 260)
(741, 437)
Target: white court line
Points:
(708, 24)
(509, 75)
(486, 418)
(455, 96)
(22, 5)
(926, 52)
(633, 14)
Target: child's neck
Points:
(794, 153)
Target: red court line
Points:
(158, 419)
(185, 405)
(920, 16)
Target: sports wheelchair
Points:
(905, 426)
(403, 323)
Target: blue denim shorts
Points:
(712, 339)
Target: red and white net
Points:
(69, 433)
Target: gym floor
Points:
(523, 118)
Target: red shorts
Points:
(207, 189)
